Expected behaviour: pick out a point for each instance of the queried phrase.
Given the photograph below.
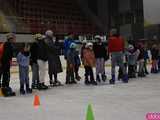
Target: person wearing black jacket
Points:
(154, 53)
(100, 55)
(54, 63)
(42, 62)
(34, 63)
(6, 63)
(141, 72)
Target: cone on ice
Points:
(90, 115)
(36, 101)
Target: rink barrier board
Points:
(14, 68)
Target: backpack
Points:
(1, 50)
(8, 92)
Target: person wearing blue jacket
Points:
(67, 43)
(23, 59)
(71, 54)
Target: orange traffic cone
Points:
(36, 101)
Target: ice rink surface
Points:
(130, 101)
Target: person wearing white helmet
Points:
(100, 54)
(5, 63)
(71, 54)
(49, 33)
(89, 45)
(89, 62)
(97, 38)
(54, 63)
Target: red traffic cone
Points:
(36, 101)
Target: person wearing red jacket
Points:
(116, 49)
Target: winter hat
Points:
(130, 47)
(38, 36)
(89, 45)
(49, 33)
(10, 36)
(98, 37)
(73, 45)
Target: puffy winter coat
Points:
(88, 57)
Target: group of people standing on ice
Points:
(131, 59)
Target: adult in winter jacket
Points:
(54, 63)
(116, 49)
(34, 63)
(42, 62)
(6, 60)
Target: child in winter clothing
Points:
(146, 57)
(100, 55)
(154, 53)
(77, 65)
(89, 62)
(141, 72)
(71, 54)
(132, 59)
(120, 71)
(23, 59)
